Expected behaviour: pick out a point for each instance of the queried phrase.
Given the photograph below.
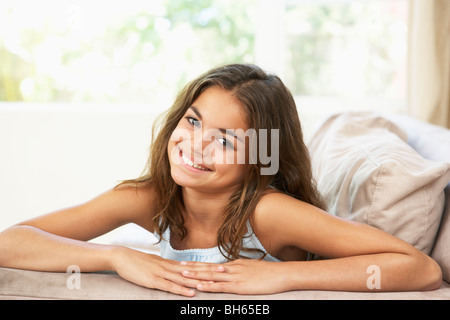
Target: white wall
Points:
(55, 156)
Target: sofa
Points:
(390, 171)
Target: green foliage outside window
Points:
(145, 51)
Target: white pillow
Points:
(367, 172)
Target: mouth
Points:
(187, 162)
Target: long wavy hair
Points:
(268, 105)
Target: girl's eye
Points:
(193, 122)
(225, 143)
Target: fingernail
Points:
(200, 286)
(183, 263)
(185, 272)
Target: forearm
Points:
(377, 272)
(26, 247)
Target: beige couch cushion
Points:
(25, 284)
(367, 172)
(432, 142)
(441, 249)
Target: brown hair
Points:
(269, 105)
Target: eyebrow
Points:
(224, 131)
(194, 108)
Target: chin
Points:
(184, 180)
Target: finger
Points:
(184, 273)
(169, 286)
(229, 287)
(207, 275)
(179, 279)
(178, 268)
(195, 263)
(195, 266)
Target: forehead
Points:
(219, 108)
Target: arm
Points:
(57, 240)
(54, 241)
(31, 248)
(350, 248)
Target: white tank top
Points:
(213, 255)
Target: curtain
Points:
(429, 61)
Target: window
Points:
(116, 51)
(355, 48)
(144, 51)
(340, 54)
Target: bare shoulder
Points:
(137, 200)
(136, 191)
(294, 221)
(283, 221)
(274, 205)
(274, 212)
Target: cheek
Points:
(220, 155)
(232, 173)
(171, 151)
(180, 136)
(223, 157)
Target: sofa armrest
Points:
(441, 249)
(25, 284)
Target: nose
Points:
(198, 144)
(202, 143)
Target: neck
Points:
(204, 209)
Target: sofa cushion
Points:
(441, 250)
(25, 284)
(433, 143)
(367, 172)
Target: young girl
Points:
(224, 225)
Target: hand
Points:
(153, 271)
(242, 276)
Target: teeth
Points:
(189, 162)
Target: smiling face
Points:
(206, 146)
